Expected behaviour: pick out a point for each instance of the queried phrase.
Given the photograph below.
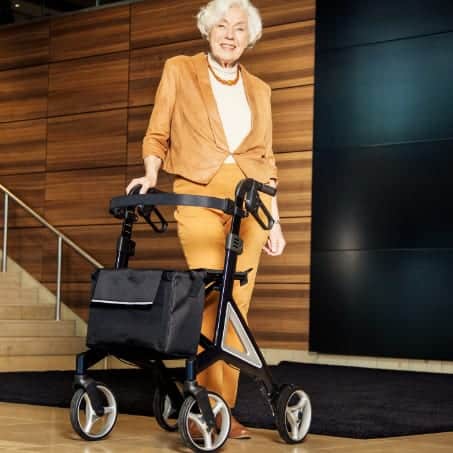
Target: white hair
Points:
(215, 10)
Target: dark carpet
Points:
(346, 401)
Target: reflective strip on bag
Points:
(121, 302)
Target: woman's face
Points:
(229, 37)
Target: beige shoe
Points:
(238, 431)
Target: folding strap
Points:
(173, 199)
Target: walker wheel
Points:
(84, 420)
(293, 415)
(165, 411)
(193, 429)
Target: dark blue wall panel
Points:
(383, 197)
(382, 226)
(384, 303)
(387, 93)
(344, 23)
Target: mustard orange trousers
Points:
(202, 233)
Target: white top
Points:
(232, 105)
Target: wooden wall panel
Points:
(74, 267)
(30, 189)
(163, 21)
(281, 12)
(24, 45)
(23, 93)
(290, 48)
(147, 65)
(90, 33)
(157, 250)
(152, 250)
(74, 295)
(294, 188)
(137, 125)
(102, 143)
(82, 119)
(89, 84)
(82, 197)
(25, 246)
(292, 115)
(279, 315)
(23, 147)
(293, 266)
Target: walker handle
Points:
(247, 192)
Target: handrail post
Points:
(5, 233)
(58, 295)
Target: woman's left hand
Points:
(276, 242)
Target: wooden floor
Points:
(27, 429)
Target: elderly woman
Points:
(211, 126)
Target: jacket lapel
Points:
(201, 68)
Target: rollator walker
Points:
(190, 408)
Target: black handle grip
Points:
(269, 190)
(135, 190)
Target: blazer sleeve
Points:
(157, 138)
(269, 153)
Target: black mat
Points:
(347, 401)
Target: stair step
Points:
(18, 295)
(41, 363)
(9, 285)
(36, 328)
(30, 311)
(10, 277)
(14, 346)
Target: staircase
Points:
(30, 338)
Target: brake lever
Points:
(135, 190)
(253, 203)
(267, 214)
(147, 216)
(147, 211)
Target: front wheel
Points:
(193, 429)
(84, 420)
(293, 414)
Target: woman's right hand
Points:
(147, 182)
(152, 166)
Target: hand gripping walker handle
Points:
(147, 211)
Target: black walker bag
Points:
(152, 309)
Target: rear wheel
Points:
(293, 415)
(165, 410)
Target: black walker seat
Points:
(293, 426)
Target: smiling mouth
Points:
(227, 46)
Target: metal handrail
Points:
(61, 238)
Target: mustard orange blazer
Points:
(186, 132)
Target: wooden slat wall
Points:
(76, 93)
